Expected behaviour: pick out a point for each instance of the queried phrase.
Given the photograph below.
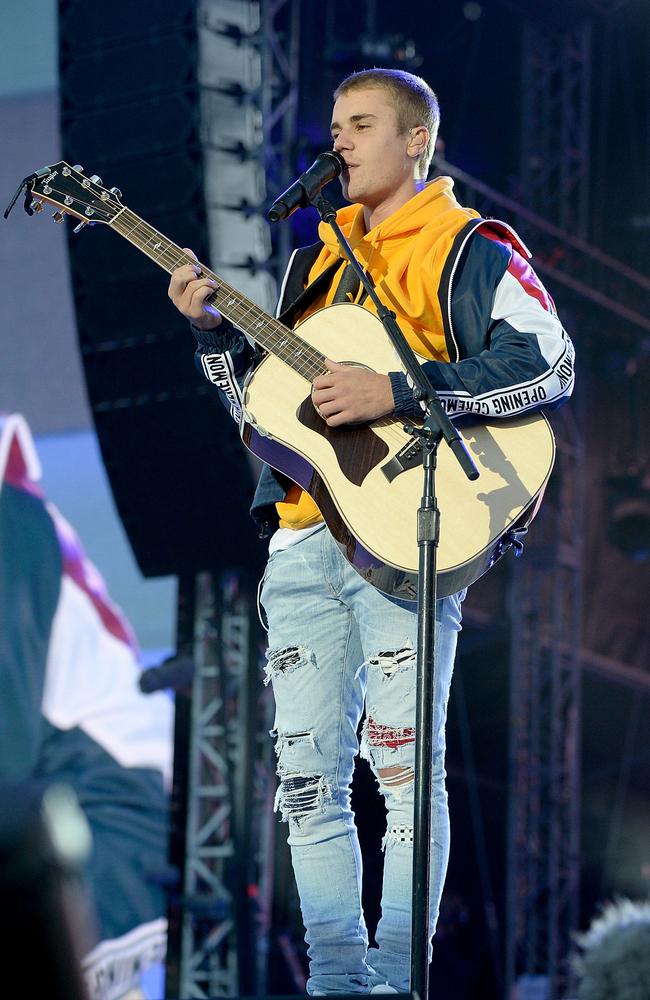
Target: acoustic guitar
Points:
(366, 480)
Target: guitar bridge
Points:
(406, 458)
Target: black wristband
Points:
(405, 403)
(214, 340)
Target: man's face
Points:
(365, 133)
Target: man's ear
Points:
(419, 136)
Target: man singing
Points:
(467, 300)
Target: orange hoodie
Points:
(404, 255)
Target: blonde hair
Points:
(413, 99)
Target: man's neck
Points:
(373, 215)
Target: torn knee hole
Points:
(304, 738)
(390, 661)
(391, 777)
(388, 737)
(286, 659)
(290, 741)
(381, 745)
(299, 795)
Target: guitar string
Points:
(255, 321)
(179, 257)
(280, 339)
(308, 371)
(146, 238)
(269, 332)
(259, 320)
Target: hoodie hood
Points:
(433, 210)
(404, 254)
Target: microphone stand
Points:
(437, 426)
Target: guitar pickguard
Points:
(357, 450)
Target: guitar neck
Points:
(262, 328)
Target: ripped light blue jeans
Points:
(336, 645)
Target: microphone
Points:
(324, 169)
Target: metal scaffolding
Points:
(542, 905)
(544, 771)
(555, 124)
(229, 777)
(546, 597)
(567, 260)
(279, 102)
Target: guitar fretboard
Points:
(266, 331)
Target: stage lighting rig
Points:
(391, 51)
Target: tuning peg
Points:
(96, 179)
(78, 168)
(80, 226)
(58, 216)
(116, 192)
(37, 206)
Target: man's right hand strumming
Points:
(188, 290)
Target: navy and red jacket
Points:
(509, 353)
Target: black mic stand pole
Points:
(437, 425)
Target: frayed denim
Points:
(336, 645)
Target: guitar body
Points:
(367, 481)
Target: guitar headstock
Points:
(72, 193)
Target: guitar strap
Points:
(289, 315)
(346, 291)
(348, 286)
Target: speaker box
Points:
(129, 102)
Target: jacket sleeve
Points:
(224, 356)
(513, 355)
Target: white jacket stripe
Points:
(218, 369)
